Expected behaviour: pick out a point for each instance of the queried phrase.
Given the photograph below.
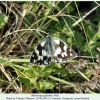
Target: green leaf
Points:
(79, 39)
(46, 71)
(97, 35)
(90, 31)
(3, 20)
(44, 85)
(47, 3)
(53, 18)
(25, 81)
(32, 73)
(61, 70)
(59, 27)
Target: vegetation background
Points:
(24, 24)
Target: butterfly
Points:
(51, 48)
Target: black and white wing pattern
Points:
(52, 48)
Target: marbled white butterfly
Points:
(51, 48)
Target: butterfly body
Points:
(51, 48)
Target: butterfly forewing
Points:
(39, 55)
(52, 48)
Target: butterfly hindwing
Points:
(63, 52)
